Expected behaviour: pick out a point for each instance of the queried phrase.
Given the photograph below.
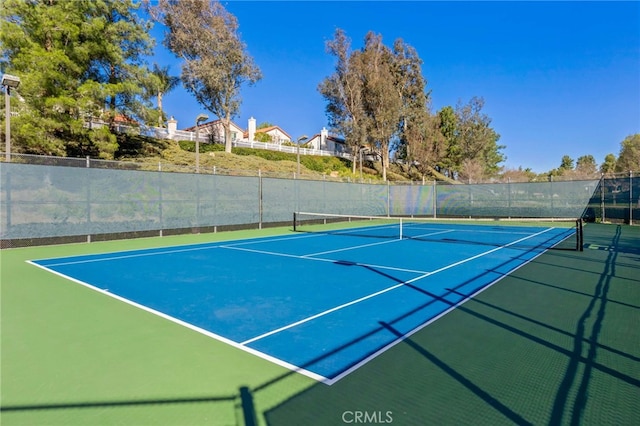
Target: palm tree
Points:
(165, 84)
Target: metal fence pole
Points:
(435, 200)
(259, 199)
(602, 212)
(7, 189)
(160, 201)
(630, 197)
(509, 197)
(388, 199)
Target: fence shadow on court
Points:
(321, 404)
(482, 310)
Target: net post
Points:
(581, 235)
(400, 228)
(579, 238)
(294, 221)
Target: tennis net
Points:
(549, 233)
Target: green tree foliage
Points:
(263, 137)
(376, 96)
(479, 151)
(609, 164)
(586, 166)
(566, 163)
(382, 98)
(215, 62)
(162, 84)
(343, 91)
(629, 157)
(410, 84)
(76, 59)
(448, 124)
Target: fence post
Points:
(7, 188)
(259, 199)
(88, 205)
(551, 192)
(509, 196)
(388, 199)
(602, 212)
(435, 200)
(160, 219)
(630, 197)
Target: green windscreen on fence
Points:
(48, 201)
(617, 198)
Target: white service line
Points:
(160, 251)
(371, 244)
(128, 256)
(353, 302)
(318, 259)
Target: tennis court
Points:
(314, 301)
(327, 320)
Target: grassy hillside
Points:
(150, 152)
(174, 155)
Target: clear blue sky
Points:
(558, 78)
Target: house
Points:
(325, 142)
(277, 135)
(215, 130)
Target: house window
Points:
(234, 136)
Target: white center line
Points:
(369, 296)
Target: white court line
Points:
(278, 361)
(317, 259)
(160, 251)
(353, 302)
(190, 326)
(129, 256)
(432, 320)
(371, 244)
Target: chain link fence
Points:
(53, 200)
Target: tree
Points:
(565, 164)
(343, 92)
(424, 142)
(448, 128)
(609, 165)
(122, 40)
(75, 58)
(586, 166)
(382, 100)
(519, 175)
(410, 84)
(629, 157)
(476, 140)
(215, 62)
(163, 84)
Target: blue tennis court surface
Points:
(314, 303)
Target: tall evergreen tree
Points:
(477, 141)
(586, 166)
(76, 58)
(448, 124)
(629, 157)
(608, 166)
